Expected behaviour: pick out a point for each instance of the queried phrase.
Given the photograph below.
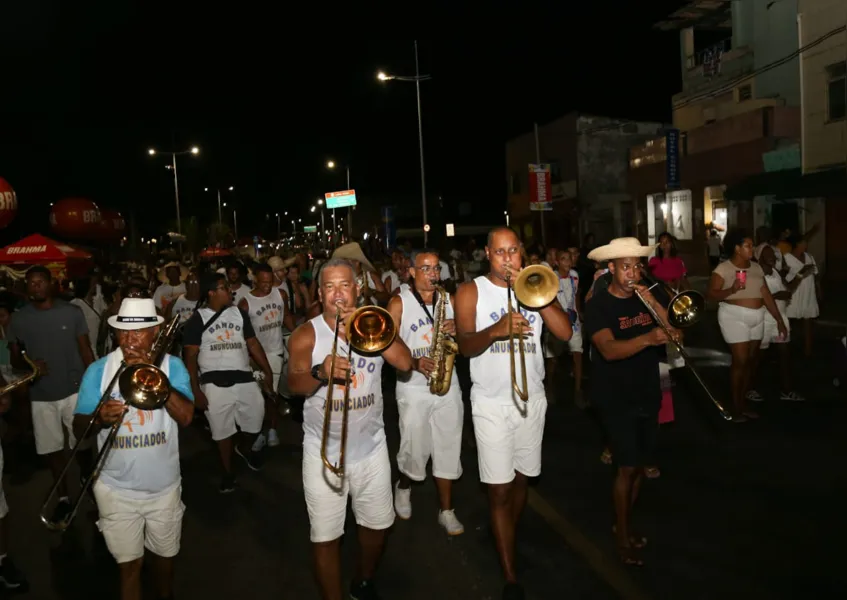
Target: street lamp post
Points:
(278, 232)
(220, 214)
(417, 79)
(194, 150)
(331, 165)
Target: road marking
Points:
(610, 570)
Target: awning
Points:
(37, 249)
(789, 184)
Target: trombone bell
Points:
(686, 309)
(536, 286)
(144, 386)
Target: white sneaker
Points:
(792, 396)
(403, 502)
(273, 438)
(259, 443)
(447, 519)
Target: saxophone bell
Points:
(444, 348)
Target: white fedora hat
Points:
(136, 313)
(620, 248)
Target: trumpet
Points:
(369, 330)
(142, 386)
(684, 310)
(535, 287)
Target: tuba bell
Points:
(443, 349)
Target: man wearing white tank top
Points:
(367, 478)
(508, 431)
(430, 425)
(266, 307)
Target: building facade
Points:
(588, 158)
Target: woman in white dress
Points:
(804, 301)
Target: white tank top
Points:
(222, 346)
(490, 371)
(366, 431)
(183, 308)
(416, 331)
(393, 281)
(266, 314)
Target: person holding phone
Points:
(738, 284)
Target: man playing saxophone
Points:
(139, 490)
(429, 398)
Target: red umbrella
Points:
(37, 249)
(214, 253)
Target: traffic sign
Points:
(310, 229)
(341, 199)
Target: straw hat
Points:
(136, 313)
(183, 271)
(353, 251)
(276, 263)
(620, 248)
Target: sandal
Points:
(652, 472)
(606, 457)
(637, 541)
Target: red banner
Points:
(540, 188)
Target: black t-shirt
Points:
(634, 379)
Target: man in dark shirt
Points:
(626, 341)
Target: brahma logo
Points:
(26, 249)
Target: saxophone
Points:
(443, 350)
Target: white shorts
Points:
(241, 404)
(275, 361)
(49, 421)
(554, 347)
(129, 525)
(430, 426)
(771, 331)
(368, 482)
(4, 507)
(506, 439)
(740, 324)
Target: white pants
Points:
(430, 426)
(508, 440)
(740, 324)
(554, 347)
(4, 507)
(368, 483)
(241, 404)
(49, 421)
(129, 525)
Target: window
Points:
(836, 91)
(745, 92)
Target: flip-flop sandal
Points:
(629, 557)
(652, 472)
(638, 541)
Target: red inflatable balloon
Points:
(8, 203)
(112, 225)
(76, 218)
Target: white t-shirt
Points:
(366, 431)
(223, 346)
(416, 331)
(568, 288)
(167, 293)
(775, 284)
(144, 460)
(183, 308)
(490, 371)
(266, 314)
(240, 293)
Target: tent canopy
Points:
(37, 249)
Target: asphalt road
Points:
(740, 511)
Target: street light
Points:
(218, 190)
(193, 150)
(331, 164)
(278, 236)
(417, 79)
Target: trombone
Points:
(535, 287)
(142, 386)
(369, 330)
(684, 310)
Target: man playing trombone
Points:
(626, 385)
(367, 476)
(508, 419)
(139, 490)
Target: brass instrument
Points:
(684, 310)
(10, 387)
(444, 348)
(369, 330)
(142, 386)
(535, 287)
(364, 298)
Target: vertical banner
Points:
(389, 227)
(672, 179)
(540, 188)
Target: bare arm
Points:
(557, 321)
(716, 292)
(242, 304)
(300, 346)
(471, 342)
(180, 408)
(613, 349)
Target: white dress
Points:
(804, 300)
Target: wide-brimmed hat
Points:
(136, 313)
(353, 251)
(620, 248)
(276, 263)
(183, 271)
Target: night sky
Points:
(85, 94)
